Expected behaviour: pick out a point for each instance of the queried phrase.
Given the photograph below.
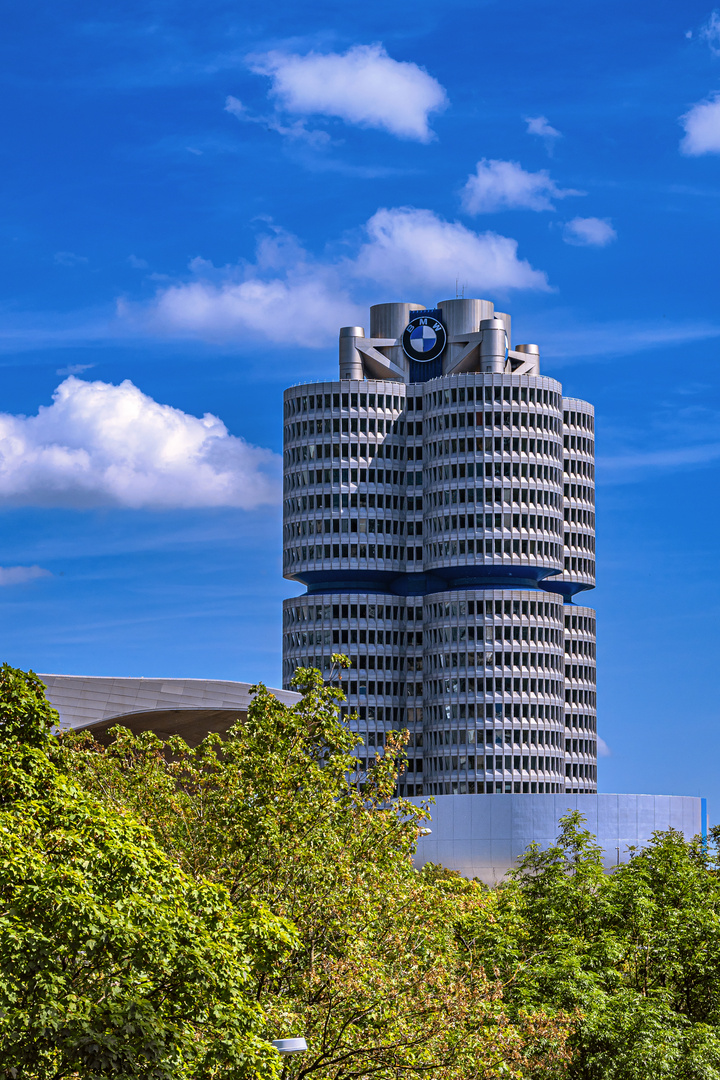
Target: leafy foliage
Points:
(113, 961)
(380, 983)
(167, 909)
(635, 954)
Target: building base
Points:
(483, 836)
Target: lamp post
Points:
(289, 1046)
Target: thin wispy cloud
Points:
(543, 129)
(363, 86)
(589, 232)
(74, 369)
(710, 32)
(296, 130)
(104, 445)
(670, 458)
(564, 338)
(602, 748)
(538, 125)
(70, 258)
(20, 575)
(505, 185)
(701, 124)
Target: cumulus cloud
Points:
(505, 185)
(287, 296)
(538, 125)
(702, 128)
(589, 232)
(284, 295)
(303, 309)
(362, 86)
(417, 250)
(18, 575)
(105, 445)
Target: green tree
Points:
(634, 955)
(113, 961)
(379, 983)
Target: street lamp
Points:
(289, 1046)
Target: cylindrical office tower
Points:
(440, 513)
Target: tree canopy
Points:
(380, 983)
(113, 960)
(170, 910)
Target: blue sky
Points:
(196, 196)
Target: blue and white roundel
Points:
(424, 338)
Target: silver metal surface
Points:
(507, 320)
(493, 346)
(483, 835)
(351, 365)
(462, 320)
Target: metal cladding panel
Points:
(483, 835)
(608, 818)
(81, 700)
(480, 821)
(628, 817)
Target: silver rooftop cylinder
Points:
(493, 346)
(507, 320)
(351, 365)
(462, 317)
(389, 320)
(533, 357)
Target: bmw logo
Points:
(424, 338)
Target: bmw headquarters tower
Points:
(439, 508)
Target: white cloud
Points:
(589, 232)
(69, 258)
(702, 128)
(286, 296)
(296, 129)
(505, 185)
(711, 33)
(362, 86)
(538, 125)
(283, 296)
(567, 339)
(301, 310)
(411, 249)
(74, 369)
(670, 458)
(104, 445)
(18, 575)
(602, 747)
